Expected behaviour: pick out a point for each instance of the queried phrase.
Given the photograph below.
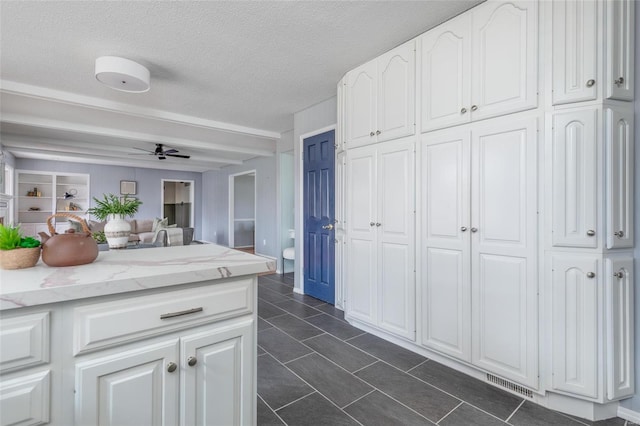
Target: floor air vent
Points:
(521, 390)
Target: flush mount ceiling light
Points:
(122, 74)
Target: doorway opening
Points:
(242, 211)
(177, 202)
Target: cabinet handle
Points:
(171, 367)
(619, 82)
(463, 111)
(591, 82)
(371, 223)
(372, 134)
(591, 274)
(192, 360)
(180, 313)
(474, 229)
(378, 224)
(378, 132)
(474, 107)
(619, 234)
(591, 233)
(618, 274)
(463, 228)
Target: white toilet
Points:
(290, 252)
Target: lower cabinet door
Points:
(134, 387)
(574, 324)
(619, 313)
(25, 399)
(219, 385)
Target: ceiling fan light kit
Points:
(122, 74)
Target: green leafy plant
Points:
(11, 238)
(99, 237)
(111, 204)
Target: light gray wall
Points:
(106, 179)
(314, 118)
(287, 205)
(216, 204)
(634, 403)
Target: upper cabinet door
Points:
(505, 58)
(361, 105)
(620, 157)
(396, 93)
(575, 48)
(574, 179)
(620, 49)
(444, 74)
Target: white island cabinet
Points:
(163, 336)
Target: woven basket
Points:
(19, 258)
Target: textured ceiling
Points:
(249, 63)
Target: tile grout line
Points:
(366, 366)
(358, 399)
(296, 400)
(515, 411)
(413, 368)
(454, 409)
(295, 359)
(272, 410)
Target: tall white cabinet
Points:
(523, 201)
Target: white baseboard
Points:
(628, 414)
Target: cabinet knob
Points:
(591, 274)
(474, 229)
(591, 82)
(372, 134)
(619, 234)
(591, 233)
(474, 107)
(378, 132)
(371, 223)
(463, 111)
(192, 360)
(463, 228)
(378, 224)
(618, 274)
(171, 367)
(619, 82)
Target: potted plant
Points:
(17, 251)
(114, 209)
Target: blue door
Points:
(319, 207)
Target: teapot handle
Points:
(52, 229)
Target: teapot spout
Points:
(44, 236)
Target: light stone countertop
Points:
(119, 271)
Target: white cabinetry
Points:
(478, 266)
(380, 244)
(620, 31)
(479, 65)
(380, 98)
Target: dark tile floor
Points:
(316, 369)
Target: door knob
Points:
(474, 107)
(329, 227)
(192, 360)
(591, 233)
(618, 274)
(619, 234)
(619, 82)
(591, 82)
(171, 367)
(474, 229)
(463, 228)
(463, 111)
(591, 274)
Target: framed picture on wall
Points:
(128, 187)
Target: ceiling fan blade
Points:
(177, 155)
(171, 151)
(145, 150)
(135, 153)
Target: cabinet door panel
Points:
(396, 92)
(445, 81)
(445, 263)
(25, 400)
(361, 214)
(129, 388)
(574, 179)
(361, 105)
(575, 48)
(574, 324)
(503, 249)
(620, 25)
(216, 389)
(505, 58)
(619, 317)
(620, 165)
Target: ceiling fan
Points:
(162, 153)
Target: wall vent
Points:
(521, 390)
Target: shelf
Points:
(34, 198)
(244, 220)
(35, 211)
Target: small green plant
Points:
(11, 238)
(99, 237)
(112, 204)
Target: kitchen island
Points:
(150, 336)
